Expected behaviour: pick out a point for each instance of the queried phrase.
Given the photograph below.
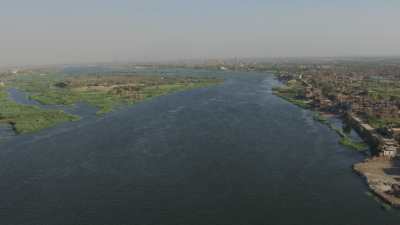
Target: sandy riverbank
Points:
(382, 177)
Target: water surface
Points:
(229, 154)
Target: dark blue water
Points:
(229, 154)
(6, 132)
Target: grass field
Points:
(26, 119)
(292, 93)
(121, 91)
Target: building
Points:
(388, 148)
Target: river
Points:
(227, 154)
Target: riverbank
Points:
(104, 91)
(204, 155)
(382, 177)
(26, 118)
(382, 172)
(290, 92)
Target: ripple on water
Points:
(6, 132)
(234, 155)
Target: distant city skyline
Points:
(88, 31)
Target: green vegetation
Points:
(299, 102)
(382, 89)
(26, 119)
(105, 92)
(384, 205)
(103, 101)
(112, 95)
(345, 140)
(338, 131)
(383, 122)
(320, 118)
(293, 92)
(350, 143)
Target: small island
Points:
(106, 91)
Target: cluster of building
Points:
(365, 95)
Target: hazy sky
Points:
(70, 31)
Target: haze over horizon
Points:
(84, 31)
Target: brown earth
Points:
(382, 177)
